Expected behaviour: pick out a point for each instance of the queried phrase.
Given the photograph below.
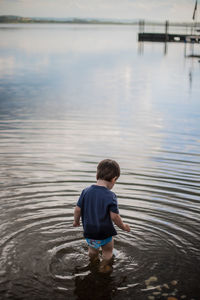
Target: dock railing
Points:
(169, 32)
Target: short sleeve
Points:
(113, 205)
(80, 200)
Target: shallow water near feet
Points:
(82, 94)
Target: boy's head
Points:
(108, 169)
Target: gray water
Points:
(69, 97)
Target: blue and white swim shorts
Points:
(98, 243)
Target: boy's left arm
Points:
(118, 221)
(77, 215)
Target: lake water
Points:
(71, 96)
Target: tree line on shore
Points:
(19, 19)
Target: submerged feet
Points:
(102, 266)
(106, 266)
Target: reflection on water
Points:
(69, 97)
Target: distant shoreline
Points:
(18, 19)
(25, 20)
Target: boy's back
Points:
(96, 203)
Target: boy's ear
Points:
(114, 179)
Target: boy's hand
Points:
(127, 227)
(75, 224)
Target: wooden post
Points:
(141, 26)
(185, 49)
(166, 30)
(166, 37)
(165, 48)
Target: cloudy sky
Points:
(175, 10)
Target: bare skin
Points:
(77, 215)
(106, 251)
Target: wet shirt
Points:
(96, 203)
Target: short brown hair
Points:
(107, 169)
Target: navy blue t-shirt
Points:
(96, 202)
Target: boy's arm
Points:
(77, 215)
(118, 221)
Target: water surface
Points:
(70, 96)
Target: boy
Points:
(97, 207)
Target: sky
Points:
(158, 10)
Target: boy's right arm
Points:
(77, 215)
(118, 221)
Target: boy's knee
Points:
(107, 256)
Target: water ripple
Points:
(57, 122)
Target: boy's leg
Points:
(107, 250)
(93, 253)
(107, 254)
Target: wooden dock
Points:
(166, 37)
